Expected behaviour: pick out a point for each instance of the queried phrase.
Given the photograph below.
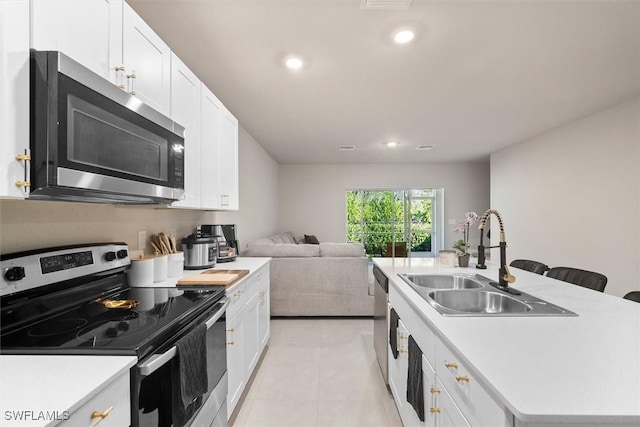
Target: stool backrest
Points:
(584, 278)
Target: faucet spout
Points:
(505, 277)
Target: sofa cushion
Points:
(341, 249)
(282, 250)
(311, 239)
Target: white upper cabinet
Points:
(14, 99)
(109, 38)
(147, 62)
(88, 31)
(212, 110)
(185, 110)
(228, 162)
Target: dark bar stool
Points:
(633, 296)
(584, 278)
(529, 265)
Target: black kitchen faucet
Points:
(504, 276)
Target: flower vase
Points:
(463, 260)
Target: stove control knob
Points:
(111, 332)
(123, 326)
(110, 256)
(13, 274)
(123, 253)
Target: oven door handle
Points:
(156, 361)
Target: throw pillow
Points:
(310, 239)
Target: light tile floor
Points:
(318, 373)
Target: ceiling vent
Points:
(384, 4)
(346, 147)
(425, 147)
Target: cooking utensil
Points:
(119, 304)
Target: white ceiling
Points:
(479, 76)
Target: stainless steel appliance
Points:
(61, 301)
(381, 321)
(199, 251)
(93, 142)
(225, 234)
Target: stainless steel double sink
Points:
(476, 295)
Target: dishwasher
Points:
(381, 321)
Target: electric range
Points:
(77, 300)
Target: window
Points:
(395, 222)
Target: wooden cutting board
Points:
(213, 277)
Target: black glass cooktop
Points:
(126, 321)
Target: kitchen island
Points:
(539, 371)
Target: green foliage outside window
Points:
(378, 217)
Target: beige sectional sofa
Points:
(327, 279)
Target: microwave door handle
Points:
(225, 302)
(156, 361)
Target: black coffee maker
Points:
(225, 234)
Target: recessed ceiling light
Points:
(403, 36)
(293, 62)
(425, 147)
(392, 144)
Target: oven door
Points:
(90, 138)
(152, 380)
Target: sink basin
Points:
(476, 295)
(455, 281)
(484, 302)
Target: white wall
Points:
(571, 197)
(258, 214)
(28, 224)
(313, 197)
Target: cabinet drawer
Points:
(115, 399)
(473, 400)
(237, 299)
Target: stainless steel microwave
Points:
(91, 141)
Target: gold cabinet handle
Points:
(453, 365)
(434, 390)
(230, 343)
(462, 378)
(23, 157)
(23, 184)
(434, 410)
(230, 330)
(102, 415)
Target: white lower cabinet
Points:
(247, 331)
(452, 395)
(235, 360)
(110, 407)
(398, 368)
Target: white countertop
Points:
(241, 263)
(42, 383)
(544, 369)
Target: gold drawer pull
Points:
(23, 184)
(230, 330)
(230, 343)
(453, 365)
(462, 378)
(102, 415)
(23, 157)
(434, 390)
(434, 410)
